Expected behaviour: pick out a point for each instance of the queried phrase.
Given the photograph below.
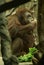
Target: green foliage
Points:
(29, 56)
(33, 50)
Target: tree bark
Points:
(41, 24)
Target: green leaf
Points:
(29, 56)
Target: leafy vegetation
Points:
(28, 57)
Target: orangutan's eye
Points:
(28, 15)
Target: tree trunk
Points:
(41, 23)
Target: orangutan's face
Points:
(28, 17)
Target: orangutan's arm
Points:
(28, 26)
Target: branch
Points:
(12, 4)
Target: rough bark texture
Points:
(41, 24)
